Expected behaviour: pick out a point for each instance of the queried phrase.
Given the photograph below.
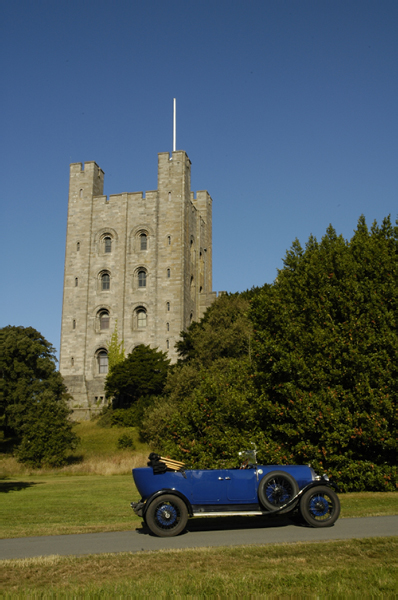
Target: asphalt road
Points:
(201, 532)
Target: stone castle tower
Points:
(143, 261)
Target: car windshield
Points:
(248, 457)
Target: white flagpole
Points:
(174, 124)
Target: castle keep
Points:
(143, 261)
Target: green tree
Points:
(142, 373)
(326, 353)
(207, 414)
(223, 332)
(115, 350)
(33, 396)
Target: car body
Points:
(170, 493)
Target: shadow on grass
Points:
(15, 486)
(74, 459)
(234, 523)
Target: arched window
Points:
(142, 278)
(102, 359)
(81, 194)
(143, 241)
(103, 316)
(105, 281)
(107, 244)
(141, 318)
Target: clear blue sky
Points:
(287, 109)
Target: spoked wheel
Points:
(320, 506)
(276, 489)
(167, 516)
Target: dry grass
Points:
(116, 464)
(351, 568)
(97, 454)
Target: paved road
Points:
(200, 533)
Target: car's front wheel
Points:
(276, 489)
(167, 515)
(320, 506)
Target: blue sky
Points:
(287, 110)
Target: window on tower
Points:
(143, 241)
(103, 316)
(105, 281)
(141, 318)
(108, 244)
(102, 359)
(141, 278)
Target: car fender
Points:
(168, 491)
(313, 484)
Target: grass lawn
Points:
(354, 568)
(93, 492)
(57, 504)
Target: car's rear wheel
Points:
(167, 515)
(320, 506)
(276, 489)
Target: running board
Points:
(230, 513)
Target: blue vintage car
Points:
(170, 493)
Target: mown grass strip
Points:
(55, 504)
(352, 568)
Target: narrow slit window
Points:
(141, 279)
(168, 273)
(105, 281)
(143, 241)
(76, 281)
(168, 306)
(74, 324)
(108, 245)
(78, 246)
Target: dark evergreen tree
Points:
(326, 353)
(143, 373)
(223, 332)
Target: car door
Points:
(208, 486)
(241, 485)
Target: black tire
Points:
(320, 506)
(167, 515)
(276, 489)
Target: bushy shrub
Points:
(126, 442)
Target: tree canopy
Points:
(33, 397)
(326, 355)
(142, 373)
(308, 372)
